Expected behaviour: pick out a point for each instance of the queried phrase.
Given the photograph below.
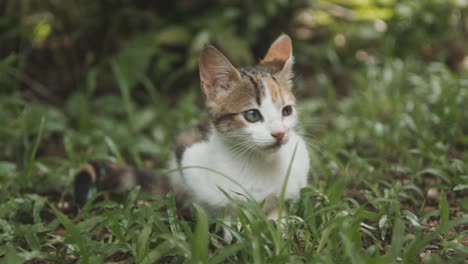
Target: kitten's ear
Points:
(216, 72)
(280, 56)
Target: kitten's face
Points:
(252, 107)
(261, 111)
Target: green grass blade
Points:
(73, 233)
(153, 255)
(420, 242)
(443, 208)
(226, 252)
(281, 199)
(143, 242)
(200, 237)
(32, 155)
(351, 251)
(397, 239)
(11, 256)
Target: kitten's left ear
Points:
(216, 72)
(280, 56)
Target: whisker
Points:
(308, 135)
(314, 146)
(241, 148)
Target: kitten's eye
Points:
(287, 110)
(252, 115)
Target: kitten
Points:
(244, 151)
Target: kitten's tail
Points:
(105, 175)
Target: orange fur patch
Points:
(88, 168)
(275, 91)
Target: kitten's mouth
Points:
(276, 145)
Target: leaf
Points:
(199, 240)
(336, 190)
(7, 170)
(113, 148)
(90, 223)
(32, 157)
(226, 252)
(96, 260)
(132, 197)
(351, 251)
(158, 252)
(144, 118)
(142, 242)
(412, 218)
(176, 35)
(32, 239)
(420, 242)
(437, 173)
(383, 226)
(116, 229)
(199, 41)
(7, 231)
(460, 187)
(73, 234)
(443, 208)
(38, 205)
(236, 49)
(397, 238)
(12, 256)
(133, 61)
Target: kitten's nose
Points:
(278, 136)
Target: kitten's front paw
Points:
(229, 228)
(227, 236)
(274, 215)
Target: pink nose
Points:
(278, 136)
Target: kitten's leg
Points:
(274, 215)
(227, 236)
(271, 209)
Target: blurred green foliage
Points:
(126, 55)
(156, 43)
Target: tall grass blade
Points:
(200, 237)
(32, 155)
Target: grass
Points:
(388, 183)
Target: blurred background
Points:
(117, 79)
(62, 44)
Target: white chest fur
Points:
(209, 167)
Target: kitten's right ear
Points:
(216, 72)
(280, 55)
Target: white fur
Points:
(260, 176)
(206, 167)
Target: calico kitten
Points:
(244, 151)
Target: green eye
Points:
(287, 110)
(252, 115)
